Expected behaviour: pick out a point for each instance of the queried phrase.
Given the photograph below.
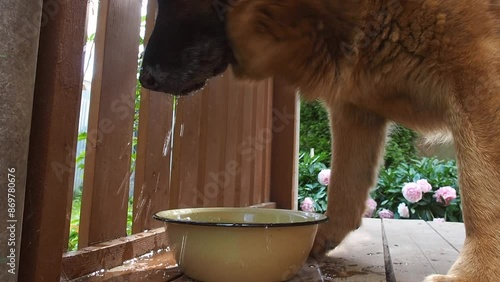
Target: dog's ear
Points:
(270, 38)
(265, 35)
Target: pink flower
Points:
(412, 192)
(307, 205)
(371, 206)
(438, 219)
(324, 177)
(445, 195)
(424, 185)
(385, 213)
(403, 211)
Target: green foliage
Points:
(388, 192)
(75, 221)
(400, 147)
(315, 134)
(309, 167)
(314, 128)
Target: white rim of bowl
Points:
(318, 218)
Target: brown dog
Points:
(431, 65)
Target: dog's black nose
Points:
(148, 81)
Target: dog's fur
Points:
(431, 65)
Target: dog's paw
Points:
(443, 278)
(330, 235)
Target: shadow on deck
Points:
(380, 250)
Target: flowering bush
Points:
(422, 189)
(314, 177)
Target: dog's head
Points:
(194, 40)
(187, 47)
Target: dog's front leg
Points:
(358, 144)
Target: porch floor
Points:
(380, 250)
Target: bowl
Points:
(240, 244)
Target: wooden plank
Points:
(160, 266)
(186, 151)
(214, 165)
(259, 142)
(152, 174)
(266, 180)
(452, 232)
(235, 108)
(245, 147)
(112, 253)
(360, 257)
(253, 141)
(284, 155)
(107, 164)
(52, 150)
(202, 153)
(216, 158)
(417, 250)
(240, 88)
(224, 171)
(152, 179)
(310, 271)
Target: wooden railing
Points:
(233, 144)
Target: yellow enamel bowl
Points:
(240, 244)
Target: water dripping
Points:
(166, 144)
(182, 130)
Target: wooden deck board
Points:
(359, 258)
(415, 250)
(452, 232)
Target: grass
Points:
(75, 221)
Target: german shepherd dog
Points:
(430, 65)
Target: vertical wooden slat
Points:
(186, 152)
(231, 158)
(224, 171)
(152, 178)
(53, 140)
(264, 140)
(202, 153)
(284, 166)
(260, 141)
(221, 158)
(246, 150)
(107, 164)
(266, 180)
(239, 154)
(215, 149)
(253, 144)
(152, 174)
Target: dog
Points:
(430, 65)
